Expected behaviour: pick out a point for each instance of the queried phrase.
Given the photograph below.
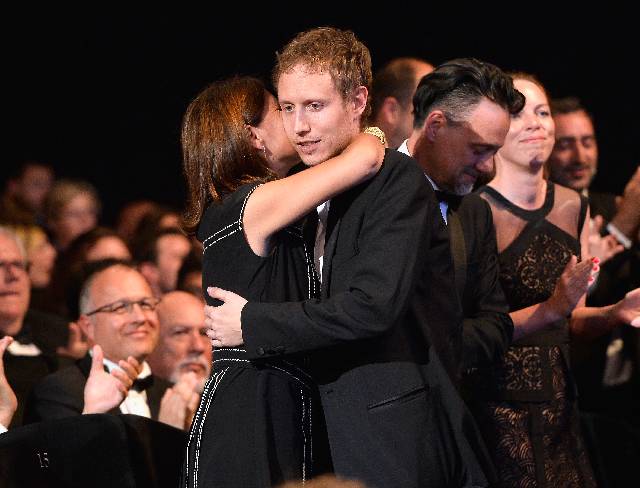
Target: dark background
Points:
(100, 94)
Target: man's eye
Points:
(119, 308)
(286, 108)
(314, 106)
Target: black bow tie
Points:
(142, 384)
(451, 199)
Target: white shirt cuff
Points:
(620, 237)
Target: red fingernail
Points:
(595, 259)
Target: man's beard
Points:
(179, 370)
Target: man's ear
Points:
(254, 137)
(435, 122)
(390, 111)
(150, 272)
(86, 327)
(360, 97)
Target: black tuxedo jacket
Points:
(602, 204)
(487, 327)
(61, 394)
(393, 417)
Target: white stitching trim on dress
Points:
(204, 417)
(298, 369)
(232, 359)
(194, 423)
(237, 222)
(303, 383)
(223, 229)
(304, 441)
(220, 238)
(310, 436)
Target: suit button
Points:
(260, 351)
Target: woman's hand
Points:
(224, 327)
(572, 285)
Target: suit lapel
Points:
(154, 395)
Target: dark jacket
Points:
(393, 417)
(61, 394)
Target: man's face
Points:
(122, 334)
(464, 150)
(171, 251)
(14, 284)
(33, 186)
(574, 159)
(317, 120)
(78, 216)
(183, 346)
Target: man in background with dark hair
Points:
(159, 256)
(574, 163)
(606, 370)
(393, 88)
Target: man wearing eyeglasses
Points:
(117, 313)
(24, 362)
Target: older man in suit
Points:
(118, 314)
(26, 361)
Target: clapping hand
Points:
(104, 391)
(179, 402)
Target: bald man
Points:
(393, 88)
(183, 347)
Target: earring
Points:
(264, 148)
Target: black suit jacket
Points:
(487, 327)
(393, 417)
(602, 204)
(61, 394)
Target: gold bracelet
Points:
(377, 132)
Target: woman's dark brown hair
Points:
(218, 156)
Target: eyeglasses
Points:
(121, 307)
(15, 266)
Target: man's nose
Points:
(199, 343)
(301, 124)
(486, 165)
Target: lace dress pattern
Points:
(526, 405)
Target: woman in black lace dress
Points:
(256, 425)
(526, 405)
